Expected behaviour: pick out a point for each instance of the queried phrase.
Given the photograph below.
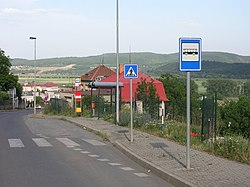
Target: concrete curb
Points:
(175, 180)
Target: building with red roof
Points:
(125, 97)
(97, 74)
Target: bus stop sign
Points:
(190, 54)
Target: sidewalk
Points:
(167, 159)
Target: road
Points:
(41, 152)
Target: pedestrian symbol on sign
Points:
(131, 73)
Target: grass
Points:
(201, 88)
(231, 147)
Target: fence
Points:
(6, 105)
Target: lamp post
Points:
(117, 62)
(34, 38)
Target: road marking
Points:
(127, 168)
(42, 136)
(141, 174)
(94, 142)
(115, 164)
(68, 142)
(15, 143)
(77, 149)
(85, 152)
(41, 142)
(103, 160)
(94, 156)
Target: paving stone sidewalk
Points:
(168, 159)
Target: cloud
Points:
(16, 11)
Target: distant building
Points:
(97, 74)
(48, 86)
(45, 90)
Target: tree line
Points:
(7, 79)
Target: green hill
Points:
(150, 63)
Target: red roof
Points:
(126, 89)
(102, 71)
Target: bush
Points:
(233, 147)
(236, 117)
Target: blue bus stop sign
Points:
(190, 54)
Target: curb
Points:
(172, 179)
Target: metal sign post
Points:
(190, 60)
(131, 112)
(131, 72)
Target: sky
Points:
(78, 28)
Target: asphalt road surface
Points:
(43, 153)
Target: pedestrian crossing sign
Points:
(130, 71)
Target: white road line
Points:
(94, 156)
(15, 143)
(85, 152)
(141, 174)
(68, 142)
(94, 142)
(77, 149)
(103, 160)
(127, 168)
(41, 142)
(115, 164)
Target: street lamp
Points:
(117, 62)
(34, 38)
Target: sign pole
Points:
(189, 60)
(188, 121)
(131, 72)
(131, 113)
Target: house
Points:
(97, 74)
(49, 86)
(125, 91)
(49, 89)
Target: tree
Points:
(223, 87)
(3, 96)
(7, 79)
(175, 89)
(236, 117)
(146, 92)
(246, 89)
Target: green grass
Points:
(201, 88)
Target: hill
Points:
(150, 63)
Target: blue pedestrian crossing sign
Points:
(190, 54)
(130, 71)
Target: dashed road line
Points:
(94, 156)
(126, 168)
(103, 159)
(85, 152)
(77, 149)
(115, 164)
(141, 174)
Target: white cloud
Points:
(15, 11)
